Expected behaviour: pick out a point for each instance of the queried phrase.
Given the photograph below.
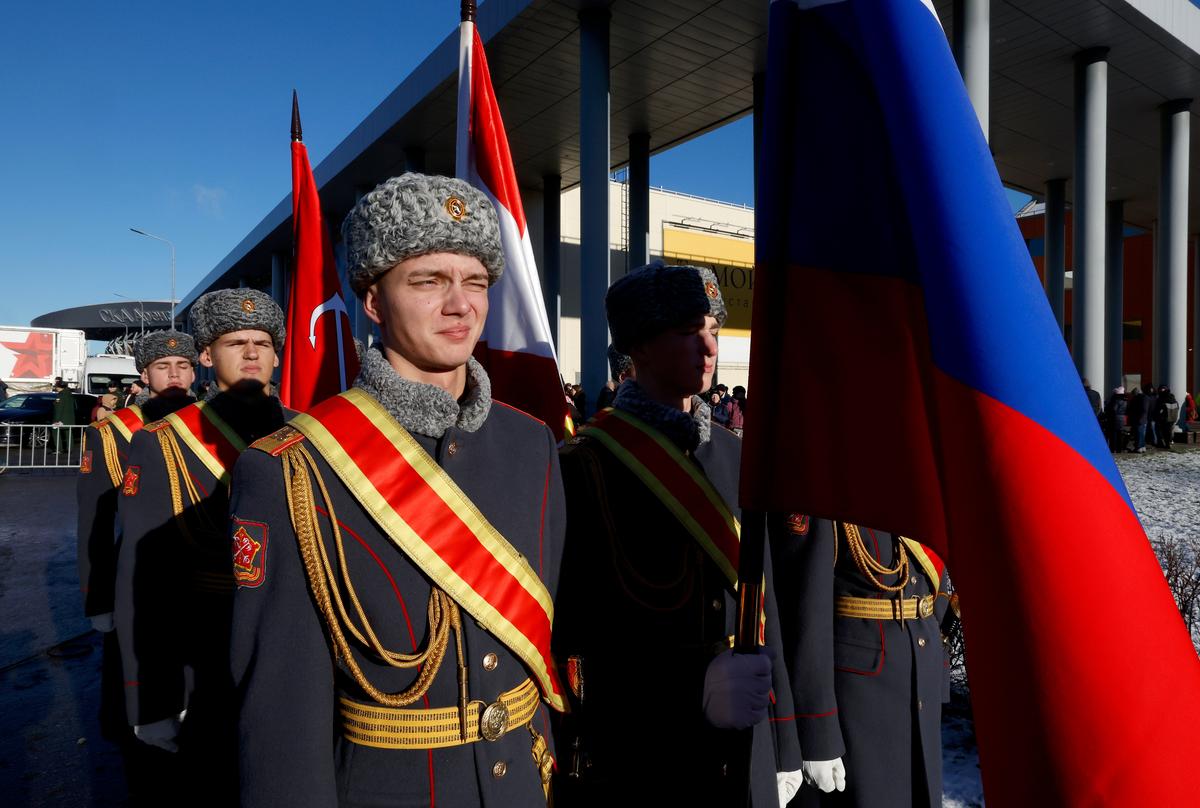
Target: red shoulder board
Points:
(275, 443)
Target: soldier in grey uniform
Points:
(861, 611)
(424, 687)
(174, 583)
(645, 613)
(166, 360)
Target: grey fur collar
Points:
(688, 431)
(425, 408)
(142, 397)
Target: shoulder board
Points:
(154, 426)
(519, 411)
(275, 443)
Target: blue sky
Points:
(174, 118)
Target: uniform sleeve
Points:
(281, 664)
(804, 589)
(151, 579)
(95, 532)
(783, 708)
(554, 520)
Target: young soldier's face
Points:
(171, 375)
(241, 359)
(680, 360)
(431, 309)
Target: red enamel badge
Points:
(129, 487)
(798, 524)
(249, 550)
(85, 463)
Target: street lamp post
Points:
(141, 311)
(172, 246)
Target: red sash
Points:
(424, 513)
(676, 481)
(127, 421)
(208, 436)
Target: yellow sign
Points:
(731, 260)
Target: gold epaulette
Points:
(279, 440)
(155, 426)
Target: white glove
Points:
(102, 622)
(789, 783)
(159, 733)
(825, 774)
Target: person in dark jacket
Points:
(1165, 417)
(397, 547)
(1093, 397)
(646, 603)
(174, 587)
(1115, 416)
(1149, 405)
(64, 415)
(1137, 416)
(861, 613)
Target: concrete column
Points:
(1170, 277)
(972, 49)
(1114, 298)
(1195, 318)
(552, 251)
(1091, 148)
(279, 279)
(594, 165)
(1056, 248)
(639, 199)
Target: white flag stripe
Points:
(517, 318)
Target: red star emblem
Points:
(35, 356)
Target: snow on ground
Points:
(1165, 489)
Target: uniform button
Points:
(912, 580)
(920, 704)
(717, 604)
(490, 661)
(500, 769)
(921, 642)
(453, 449)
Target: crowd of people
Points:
(1142, 416)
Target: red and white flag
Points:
(515, 346)
(319, 360)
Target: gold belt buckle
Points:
(493, 722)
(925, 606)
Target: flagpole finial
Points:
(297, 134)
(468, 10)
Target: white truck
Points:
(99, 371)
(31, 358)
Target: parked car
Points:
(38, 409)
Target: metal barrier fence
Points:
(39, 446)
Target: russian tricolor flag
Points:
(515, 346)
(907, 374)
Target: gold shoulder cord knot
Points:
(176, 463)
(872, 570)
(327, 591)
(112, 463)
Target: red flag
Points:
(319, 359)
(515, 346)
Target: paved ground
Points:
(51, 752)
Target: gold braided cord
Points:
(176, 464)
(443, 614)
(871, 569)
(112, 462)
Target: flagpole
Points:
(466, 36)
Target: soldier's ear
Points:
(206, 357)
(370, 304)
(145, 379)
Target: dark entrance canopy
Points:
(108, 321)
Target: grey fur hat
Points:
(158, 344)
(416, 214)
(618, 363)
(654, 298)
(226, 310)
